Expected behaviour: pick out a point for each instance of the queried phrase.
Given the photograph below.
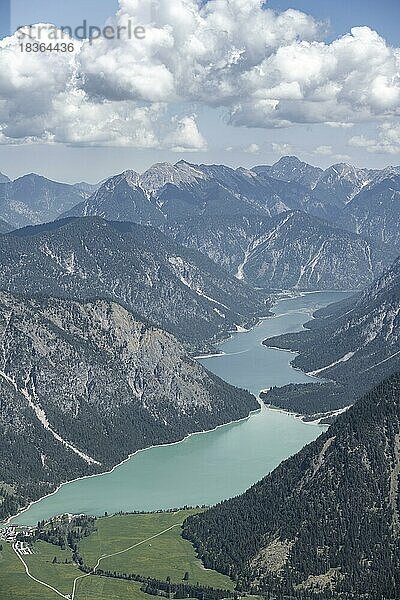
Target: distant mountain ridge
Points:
(290, 168)
(33, 199)
(225, 213)
(167, 191)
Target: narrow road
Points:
(104, 556)
(67, 597)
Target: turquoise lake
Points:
(207, 467)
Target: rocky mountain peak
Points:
(160, 174)
(291, 169)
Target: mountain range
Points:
(84, 384)
(229, 214)
(172, 287)
(324, 524)
(107, 290)
(351, 345)
(33, 199)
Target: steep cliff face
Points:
(175, 288)
(299, 251)
(325, 523)
(83, 384)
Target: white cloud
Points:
(282, 148)
(323, 150)
(252, 149)
(386, 142)
(247, 148)
(186, 135)
(339, 125)
(266, 69)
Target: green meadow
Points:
(145, 544)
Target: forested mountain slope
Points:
(173, 287)
(354, 343)
(298, 251)
(324, 524)
(84, 384)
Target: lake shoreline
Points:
(262, 406)
(297, 415)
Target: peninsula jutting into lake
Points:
(211, 466)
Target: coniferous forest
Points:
(326, 522)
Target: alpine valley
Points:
(85, 384)
(353, 344)
(107, 293)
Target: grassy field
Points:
(101, 588)
(165, 555)
(168, 555)
(14, 583)
(59, 575)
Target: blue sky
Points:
(61, 12)
(241, 143)
(382, 15)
